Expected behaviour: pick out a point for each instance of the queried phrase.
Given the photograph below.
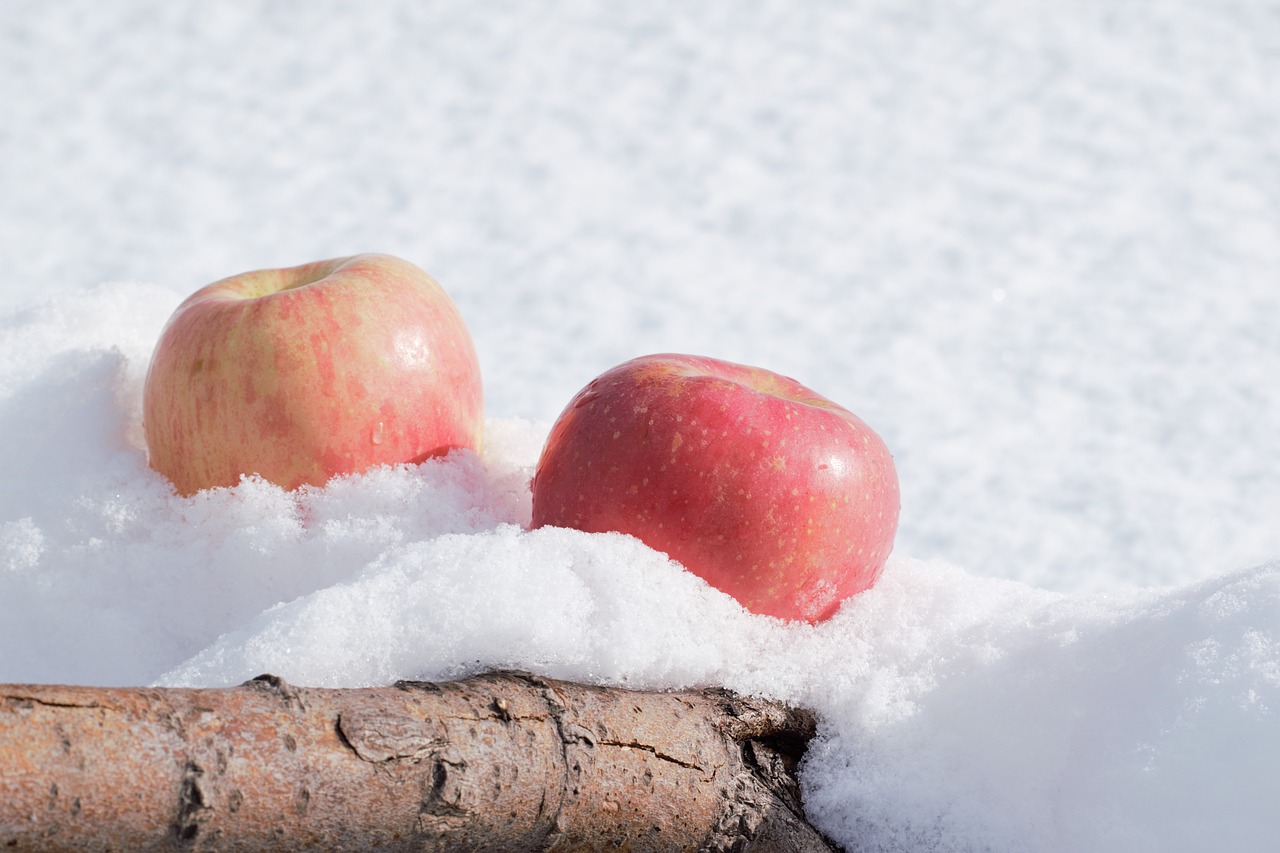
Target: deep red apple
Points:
(768, 491)
(301, 374)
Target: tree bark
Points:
(500, 762)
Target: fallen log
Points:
(500, 762)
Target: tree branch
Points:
(502, 762)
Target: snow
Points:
(1033, 245)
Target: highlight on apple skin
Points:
(302, 374)
(765, 489)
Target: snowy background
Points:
(1035, 245)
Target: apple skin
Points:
(766, 490)
(301, 374)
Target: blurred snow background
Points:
(1035, 245)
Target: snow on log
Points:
(500, 762)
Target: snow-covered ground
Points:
(1035, 245)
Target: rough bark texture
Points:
(505, 761)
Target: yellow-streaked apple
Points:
(762, 487)
(301, 374)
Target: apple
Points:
(301, 374)
(763, 488)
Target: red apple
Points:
(301, 374)
(768, 491)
